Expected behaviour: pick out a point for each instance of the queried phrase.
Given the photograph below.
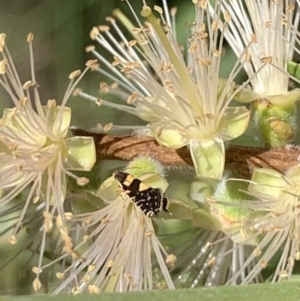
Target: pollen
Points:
(30, 37)
(48, 221)
(128, 277)
(211, 261)
(82, 181)
(37, 284)
(263, 263)
(92, 64)
(89, 48)
(283, 274)
(85, 238)
(208, 246)
(36, 270)
(110, 19)
(2, 41)
(59, 223)
(28, 84)
(105, 221)
(148, 233)
(74, 74)
(86, 278)
(171, 259)
(12, 240)
(132, 98)
(110, 263)
(290, 261)
(297, 255)
(75, 290)
(108, 127)
(290, 8)
(60, 275)
(51, 103)
(267, 59)
(94, 33)
(91, 267)
(3, 64)
(158, 9)
(35, 199)
(93, 289)
(227, 17)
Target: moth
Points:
(150, 200)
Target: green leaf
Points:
(275, 292)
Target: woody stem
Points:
(241, 159)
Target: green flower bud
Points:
(142, 164)
(169, 138)
(227, 203)
(277, 124)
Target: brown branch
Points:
(241, 159)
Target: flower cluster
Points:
(277, 230)
(269, 30)
(117, 242)
(36, 153)
(184, 99)
(186, 103)
(146, 227)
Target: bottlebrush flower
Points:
(277, 226)
(216, 248)
(118, 243)
(36, 154)
(211, 258)
(184, 100)
(268, 29)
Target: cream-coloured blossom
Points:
(36, 154)
(269, 30)
(277, 226)
(183, 99)
(217, 246)
(118, 243)
(210, 258)
(268, 239)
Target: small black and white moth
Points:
(150, 200)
